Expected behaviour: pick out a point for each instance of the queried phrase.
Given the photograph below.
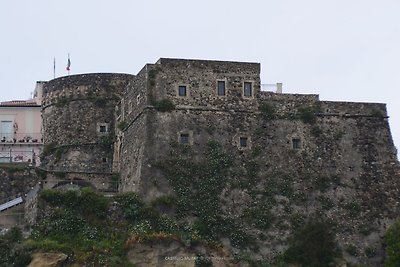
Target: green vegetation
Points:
(392, 240)
(98, 101)
(41, 173)
(58, 152)
(267, 111)
(115, 180)
(12, 251)
(76, 224)
(163, 105)
(47, 150)
(352, 250)
(106, 143)
(12, 168)
(353, 207)
(316, 131)
(85, 202)
(152, 77)
(377, 113)
(324, 183)
(203, 261)
(197, 186)
(370, 252)
(308, 114)
(61, 102)
(122, 125)
(312, 245)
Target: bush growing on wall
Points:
(392, 239)
(313, 245)
(164, 105)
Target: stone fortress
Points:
(108, 131)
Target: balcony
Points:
(21, 139)
(19, 156)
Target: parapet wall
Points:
(93, 85)
(284, 104)
(353, 108)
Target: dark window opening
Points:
(184, 139)
(248, 89)
(296, 143)
(103, 129)
(243, 141)
(221, 88)
(182, 90)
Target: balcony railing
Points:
(18, 156)
(21, 138)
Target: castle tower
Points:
(78, 126)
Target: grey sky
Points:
(345, 50)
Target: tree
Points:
(312, 246)
(392, 239)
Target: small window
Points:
(221, 88)
(248, 89)
(103, 129)
(184, 139)
(182, 90)
(296, 143)
(104, 160)
(243, 141)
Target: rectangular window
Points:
(182, 90)
(184, 139)
(6, 130)
(248, 89)
(103, 129)
(296, 143)
(243, 141)
(221, 88)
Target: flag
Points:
(68, 64)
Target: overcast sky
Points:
(344, 50)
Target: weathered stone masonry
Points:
(347, 144)
(78, 126)
(338, 158)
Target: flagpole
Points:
(54, 68)
(69, 64)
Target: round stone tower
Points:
(78, 122)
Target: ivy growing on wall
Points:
(198, 186)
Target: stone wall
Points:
(332, 173)
(330, 159)
(200, 78)
(16, 181)
(102, 182)
(131, 154)
(135, 98)
(78, 122)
